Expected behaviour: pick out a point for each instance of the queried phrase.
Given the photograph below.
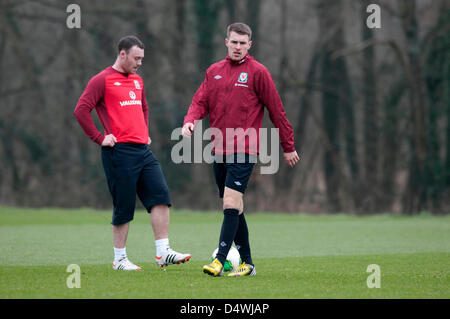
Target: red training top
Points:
(119, 100)
(234, 94)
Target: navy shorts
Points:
(233, 171)
(132, 169)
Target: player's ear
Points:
(122, 54)
(249, 44)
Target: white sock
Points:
(119, 253)
(161, 246)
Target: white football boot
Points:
(125, 264)
(171, 257)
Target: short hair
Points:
(239, 28)
(126, 43)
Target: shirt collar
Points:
(244, 59)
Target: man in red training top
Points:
(233, 94)
(117, 94)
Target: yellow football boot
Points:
(243, 270)
(214, 269)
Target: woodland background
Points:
(370, 108)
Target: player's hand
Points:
(109, 140)
(291, 158)
(187, 129)
(149, 141)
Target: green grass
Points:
(297, 256)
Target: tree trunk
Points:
(437, 78)
(390, 149)
(206, 16)
(253, 17)
(416, 194)
(337, 106)
(370, 119)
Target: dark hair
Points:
(126, 43)
(239, 28)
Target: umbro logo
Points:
(218, 77)
(238, 183)
(223, 244)
(117, 83)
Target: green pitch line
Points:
(297, 256)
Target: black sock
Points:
(229, 227)
(242, 241)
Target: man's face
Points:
(238, 45)
(132, 60)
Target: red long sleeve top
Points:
(234, 94)
(119, 100)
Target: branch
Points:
(435, 33)
(11, 4)
(356, 49)
(18, 90)
(39, 17)
(386, 6)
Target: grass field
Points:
(297, 256)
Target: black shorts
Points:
(133, 169)
(233, 171)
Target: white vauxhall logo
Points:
(133, 100)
